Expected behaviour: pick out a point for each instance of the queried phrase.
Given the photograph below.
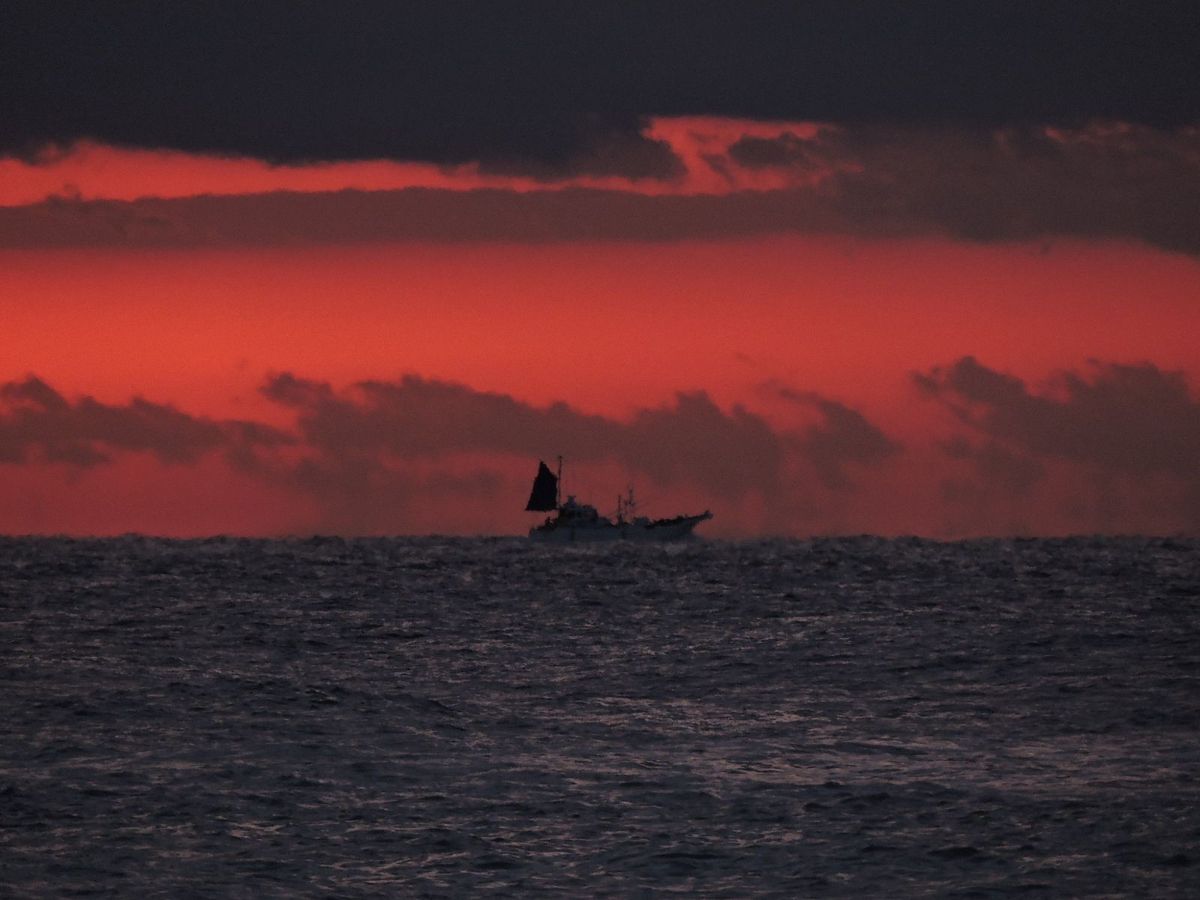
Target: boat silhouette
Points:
(578, 522)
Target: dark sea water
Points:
(427, 717)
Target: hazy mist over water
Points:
(427, 717)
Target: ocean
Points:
(430, 717)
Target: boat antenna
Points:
(558, 484)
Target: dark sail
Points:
(544, 496)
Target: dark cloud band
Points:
(538, 84)
(354, 445)
(1105, 181)
(1129, 433)
(37, 423)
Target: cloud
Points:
(376, 452)
(691, 441)
(786, 150)
(1103, 181)
(1106, 180)
(362, 493)
(629, 154)
(354, 440)
(372, 440)
(453, 82)
(1136, 419)
(38, 423)
(1112, 447)
(996, 466)
(374, 455)
(1126, 435)
(843, 437)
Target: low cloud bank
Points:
(38, 424)
(1128, 434)
(367, 453)
(691, 442)
(1109, 448)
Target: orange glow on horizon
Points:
(607, 327)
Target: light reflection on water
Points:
(838, 717)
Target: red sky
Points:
(845, 306)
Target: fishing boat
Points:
(577, 522)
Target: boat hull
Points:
(649, 532)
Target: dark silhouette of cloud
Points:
(626, 154)
(1113, 447)
(542, 83)
(363, 442)
(1015, 474)
(1014, 183)
(990, 488)
(369, 454)
(1099, 182)
(1129, 418)
(1130, 433)
(36, 422)
(691, 442)
(362, 493)
(844, 437)
(786, 151)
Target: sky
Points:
(821, 268)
